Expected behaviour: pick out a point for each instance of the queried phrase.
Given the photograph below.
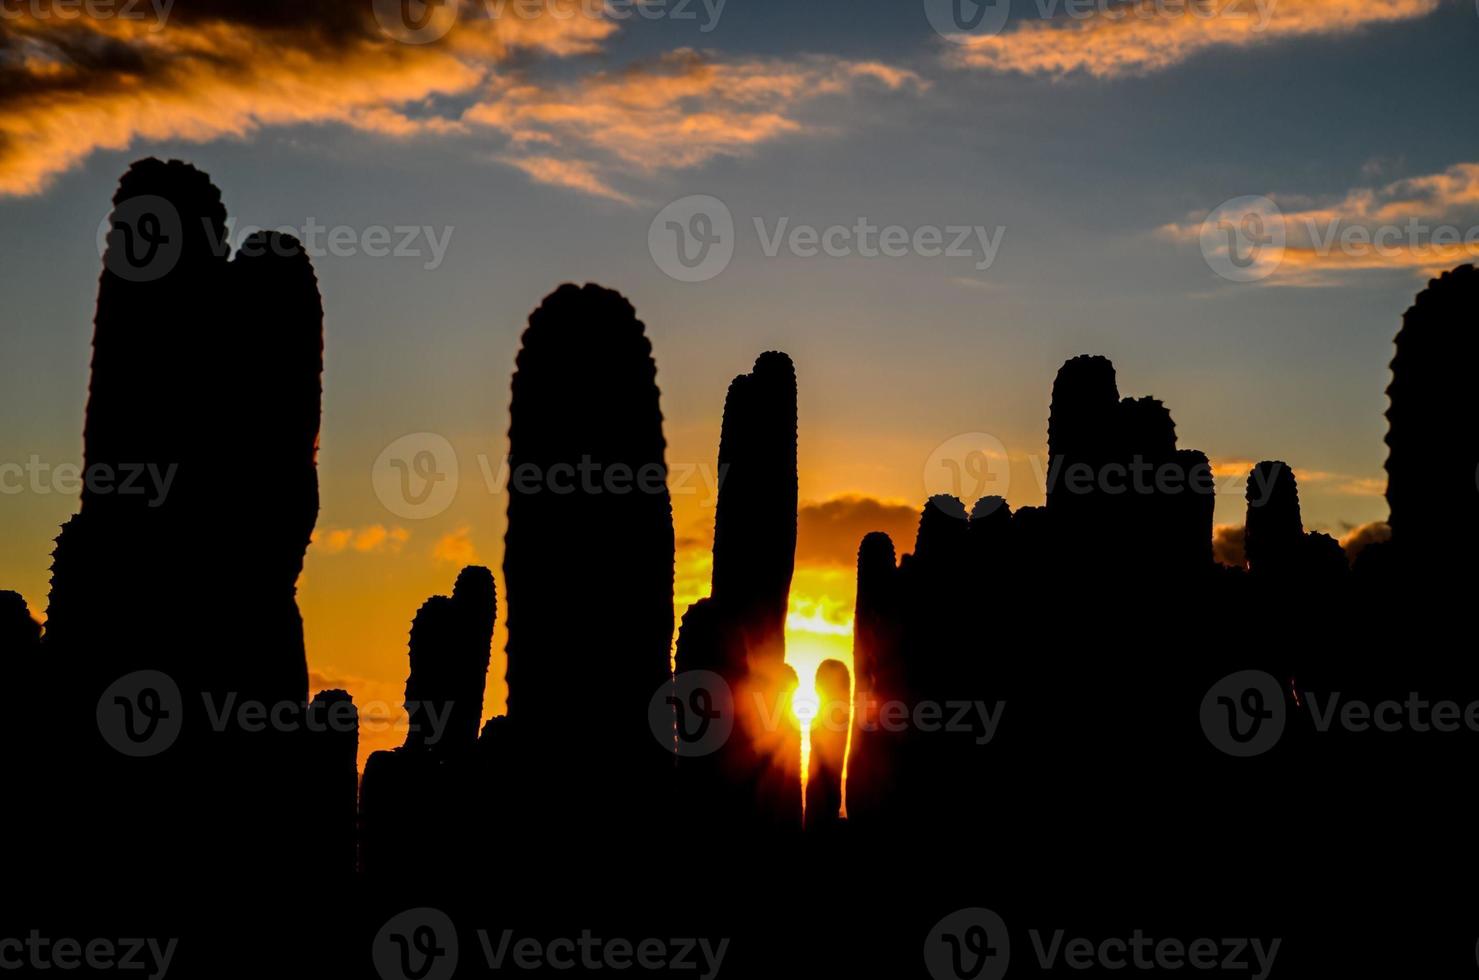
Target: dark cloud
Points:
(829, 532)
(1227, 545)
(1364, 536)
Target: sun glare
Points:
(810, 639)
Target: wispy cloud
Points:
(679, 111)
(1232, 475)
(1426, 224)
(71, 86)
(229, 68)
(572, 174)
(456, 547)
(1143, 36)
(365, 540)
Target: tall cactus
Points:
(451, 640)
(588, 554)
(877, 664)
(1274, 533)
(1082, 423)
(332, 786)
(205, 388)
(755, 520)
(1190, 516)
(1433, 459)
(20, 635)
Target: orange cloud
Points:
(228, 68)
(572, 174)
(456, 547)
(1427, 224)
(372, 538)
(1142, 37)
(679, 111)
(1227, 545)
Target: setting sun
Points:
(812, 637)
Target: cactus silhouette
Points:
(755, 519)
(1274, 533)
(331, 800)
(752, 784)
(1433, 451)
(451, 641)
(20, 634)
(205, 389)
(588, 553)
(876, 663)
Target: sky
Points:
(1080, 156)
